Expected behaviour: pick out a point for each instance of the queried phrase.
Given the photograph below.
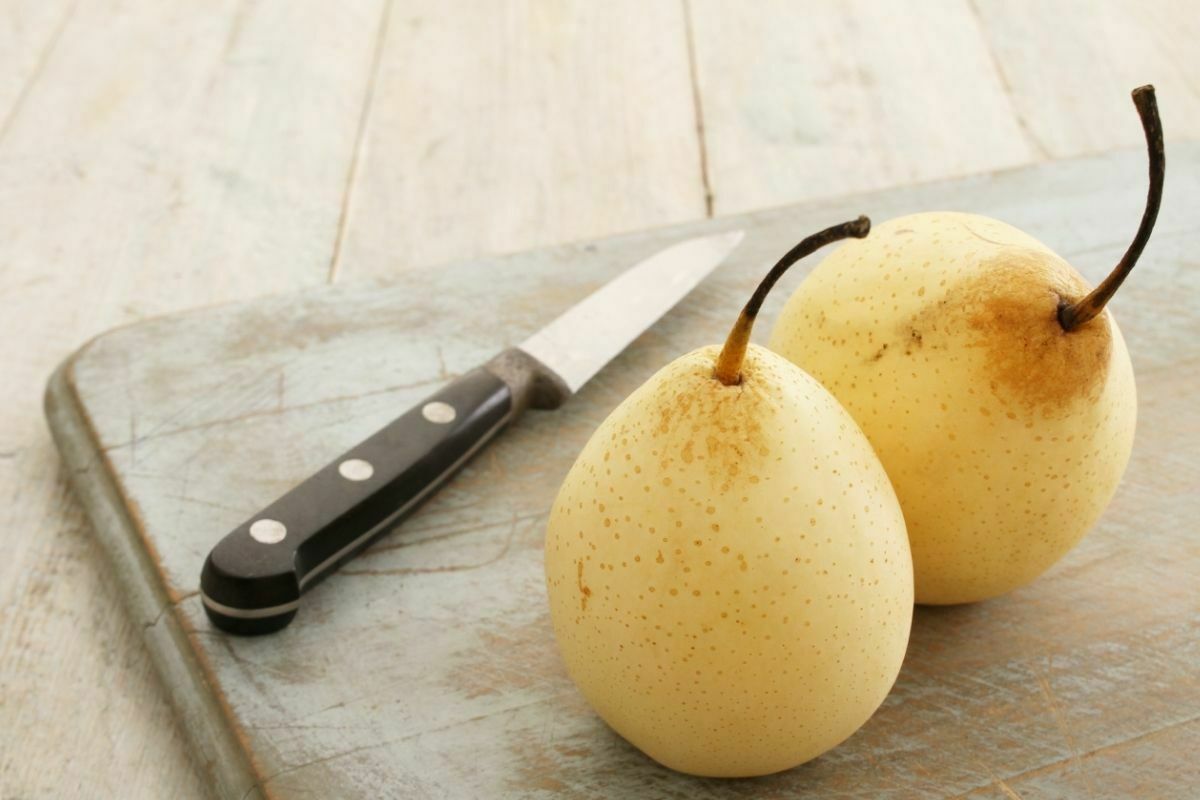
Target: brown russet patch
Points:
(916, 340)
(681, 406)
(717, 424)
(1010, 306)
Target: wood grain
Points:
(190, 154)
(500, 126)
(29, 33)
(427, 667)
(805, 100)
(1069, 66)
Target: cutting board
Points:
(427, 667)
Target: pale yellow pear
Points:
(728, 572)
(1004, 423)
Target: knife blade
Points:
(254, 577)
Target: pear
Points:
(992, 383)
(727, 567)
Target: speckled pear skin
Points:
(1004, 436)
(728, 572)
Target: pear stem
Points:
(1080, 312)
(729, 364)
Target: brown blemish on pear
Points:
(1011, 307)
(584, 590)
(723, 429)
(737, 409)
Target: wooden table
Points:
(155, 157)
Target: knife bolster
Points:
(532, 383)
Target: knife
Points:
(253, 579)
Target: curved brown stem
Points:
(729, 364)
(1073, 315)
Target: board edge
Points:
(217, 749)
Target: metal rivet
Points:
(439, 412)
(355, 469)
(268, 531)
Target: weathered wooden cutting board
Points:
(427, 667)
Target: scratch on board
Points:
(1009, 792)
(1060, 720)
(452, 533)
(187, 498)
(443, 373)
(1055, 765)
(159, 433)
(169, 606)
(409, 737)
(185, 481)
(999, 783)
(314, 762)
(512, 532)
(253, 671)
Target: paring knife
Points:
(253, 579)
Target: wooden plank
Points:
(427, 666)
(819, 99)
(1069, 67)
(167, 155)
(501, 126)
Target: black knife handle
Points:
(253, 579)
